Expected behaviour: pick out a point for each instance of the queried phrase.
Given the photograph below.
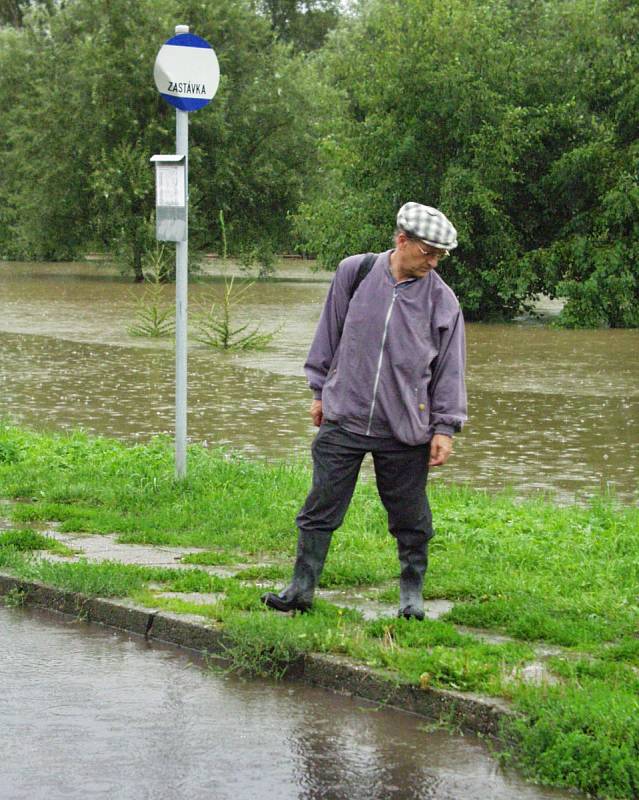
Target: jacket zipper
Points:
(379, 363)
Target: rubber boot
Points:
(311, 554)
(413, 560)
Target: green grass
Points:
(28, 540)
(212, 558)
(539, 572)
(580, 735)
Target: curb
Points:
(468, 712)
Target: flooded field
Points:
(550, 410)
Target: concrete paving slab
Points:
(535, 674)
(542, 650)
(200, 598)
(96, 547)
(373, 609)
(6, 524)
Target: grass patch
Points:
(267, 644)
(580, 735)
(264, 572)
(194, 580)
(177, 605)
(29, 540)
(534, 618)
(433, 653)
(211, 558)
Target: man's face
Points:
(420, 258)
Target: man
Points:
(387, 370)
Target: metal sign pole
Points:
(187, 75)
(181, 298)
(181, 301)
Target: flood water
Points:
(91, 713)
(550, 410)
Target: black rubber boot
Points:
(311, 554)
(413, 560)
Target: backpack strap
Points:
(365, 267)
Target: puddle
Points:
(92, 713)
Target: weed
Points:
(449, 721)
(15, 598)
(264, 646)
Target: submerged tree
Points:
(154, 314)
(215, 327)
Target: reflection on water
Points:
(90, 713)
(551, 410)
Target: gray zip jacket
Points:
(394, 364)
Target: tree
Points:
(12, 12)
(517, 118)
(302, 23)
(417, 122)
(86, 118)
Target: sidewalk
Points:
(472, 712)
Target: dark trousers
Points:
(400, 471)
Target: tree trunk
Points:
(137, 265)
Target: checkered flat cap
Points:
(427, 224)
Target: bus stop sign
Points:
(187, 72)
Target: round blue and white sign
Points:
(187, 72)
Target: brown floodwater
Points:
(550, 410)
(90, 713)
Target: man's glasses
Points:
(440, 255)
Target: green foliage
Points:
(303, 23)
(406, 634)
(81, 118)
(269, 644)
(533, 618)
(121, 184)
(263, 646)
(580, 735)
(520, 125)
(261, 255)
(15, 598)
(9, 452)
(213, 557)
(12, 12)
(600, 276)
(264, 572)
(195, 580)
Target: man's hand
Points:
(441, 446)
(316, 413)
